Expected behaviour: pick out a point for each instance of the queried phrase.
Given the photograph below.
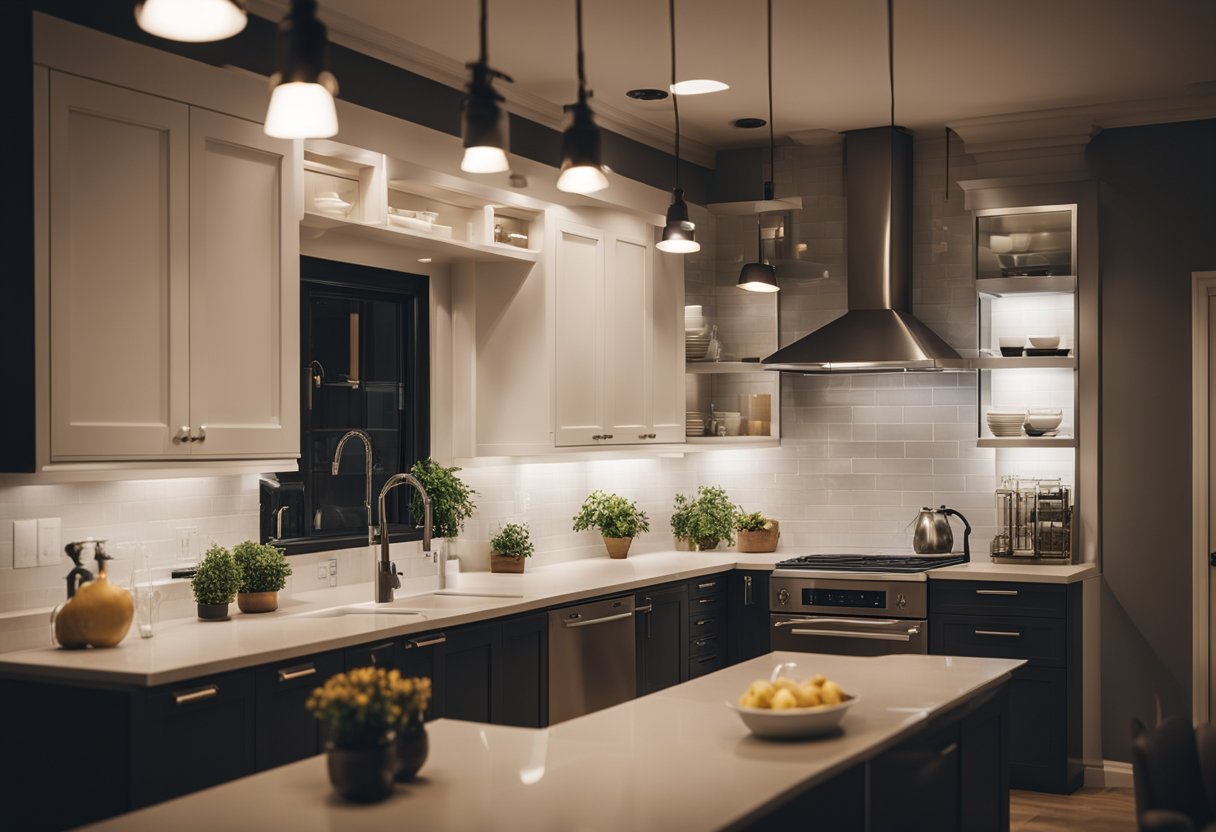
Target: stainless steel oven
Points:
(869, 616)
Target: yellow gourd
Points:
(99, 614)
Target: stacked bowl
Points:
(696, 334)
(694, 423)
(1004, 423)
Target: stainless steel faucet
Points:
(386, 572)
(367, 459)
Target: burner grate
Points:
(872, 563)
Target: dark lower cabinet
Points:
(916, 784)
(285, 730)
(190, 736)
(498, 672)
(662, 637)
(747, 611)
(423, 656)
(1038, 707)
(984, 738)
(524, 662)
(471, 685)
(376, 654)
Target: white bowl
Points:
(1045, 342)
(412, 223)
(1011, 341)
(1044, 420)
(793, 723)
(429, 216)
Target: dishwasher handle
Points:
(570, 625)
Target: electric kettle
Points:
(933, 536)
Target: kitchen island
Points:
(925, 746)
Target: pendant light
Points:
(483, 121)
(302, 100)
(760, 276)
(679, 235)
(582, 170)
(193, 21)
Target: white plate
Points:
(793, 723)
(412, 223)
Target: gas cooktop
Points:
(872, 563)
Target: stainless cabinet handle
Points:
(570, 625)
(202, 435)
(912, 631)
(411, 643)
(706, 600)
(209, 692)
(701, 642)
(644, 608)
(701, 622)
(183, 434)
(707, 585)
(1007, 592)
(597, 437)
(948, 750)
(286, 674)
(861, 622)
(278, 522)
(1002, 633)
(643, 436)
(706, 659)
(607, 435)
(747, 590)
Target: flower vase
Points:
(412, 748)
(363, 774)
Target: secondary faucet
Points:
(386, 572)
(367, 460)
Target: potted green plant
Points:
(264, 571)
(451, 500)
(757, 533)
(618, 520)
(509, 547)
(363, 709)
(706, 519)
(215, 583)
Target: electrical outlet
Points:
(25, 543)
(333, 571)
(48, 541)
(322, 571)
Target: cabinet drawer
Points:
(705, 625)
(286, 731)
(706, 664)
(381, 654)
(706, 606)
(707, 585)
(704, 646)
(1040, 640)
(996, 598)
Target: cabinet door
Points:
(662, 638)
(244, 290)
(747, 605)
(916, 784)
(524, 669)
(381, 654)
(579, 359)
(471, 683)
(1038, 751)
(286, 731)
(628, 344)
(425, 655)
(667, 352)
(192, 735)
(119, 272)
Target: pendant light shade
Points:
(193, 21)
(680, 233)
(582, 169)
(302, 100)
(483, 121)
(761, 276)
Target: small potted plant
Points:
(215, 583)
(509, 547)
(412, 743)
(264, 571)
(757, 533)
(706, 519)
(451, 500)
(619, 521)
(362, 710)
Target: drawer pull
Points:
(286, 674)
(747, 590)
(411, 643)
(1011, 593)
(948, 750)
(706, 659)
(701, 642)
(644, 608)
(1001, 633)
(707, 585)
(706, 600)
(701, 622)
(208, 692)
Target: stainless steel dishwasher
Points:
(591, 657)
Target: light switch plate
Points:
(25, 543)
(49, 541)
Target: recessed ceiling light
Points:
(424, 259)
(647, 94)
(698, 86)
(749, 123)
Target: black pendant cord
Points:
(582, 74)
(769, 186)
(675, 99)
(891, 55)
(485, 40)
(947, 182)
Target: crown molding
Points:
(384, 46)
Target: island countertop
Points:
(676, 759)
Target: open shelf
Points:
(748, 207)
(1002, 286)
(1026, 442)
(440, 249)
(724, 367)
(1041, 362)
(723, 442)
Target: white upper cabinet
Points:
(173, 281)
(580, 325)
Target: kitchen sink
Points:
(448, 601)
(369, 608)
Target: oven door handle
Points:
(852, 622)
(912, 631)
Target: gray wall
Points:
(1158, 224)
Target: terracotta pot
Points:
(250, 602)
(213, 612)
(506, 563)
(412, 748)
(763, 541)
(683, 544)
(618, 547)
(363, 775)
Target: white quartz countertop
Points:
(1030, 573)
(677, 759)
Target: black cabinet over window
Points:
(365, 354)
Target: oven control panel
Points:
(877, 597)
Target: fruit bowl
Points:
(793, 723)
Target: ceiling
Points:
(954, 59)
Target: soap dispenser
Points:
(97, 613)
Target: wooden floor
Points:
(1091, 810)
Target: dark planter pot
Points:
(363, 775)
(213, 612)
(251, 602)
(412, 748)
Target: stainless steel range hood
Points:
(878, 333)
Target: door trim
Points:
(1203, 287)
